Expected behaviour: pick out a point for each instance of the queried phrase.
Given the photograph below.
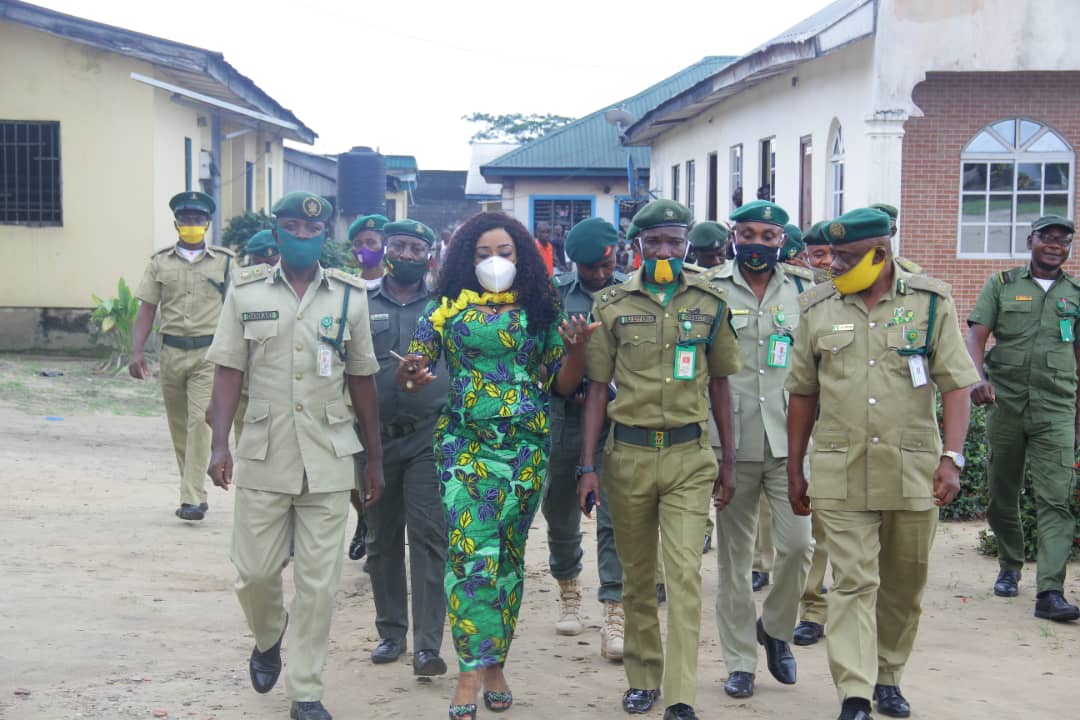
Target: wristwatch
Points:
(957, 458)
(584, 469)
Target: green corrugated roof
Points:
(400, 162)
(591, 145)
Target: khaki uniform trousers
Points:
(736, 529)
(667, 489)
(764, 552)
(264, 526)
(879, 561)
(186, 380)
(813, 602)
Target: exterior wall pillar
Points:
(884, 153)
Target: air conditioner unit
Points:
(204, 165)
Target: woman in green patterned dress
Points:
(508, 345)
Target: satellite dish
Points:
(621, 118)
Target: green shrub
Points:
(114, 321)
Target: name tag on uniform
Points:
(1025, 298)
(325, 360)
(917, 367)
(636, 319)
(380, 316)
(742, 311)
(844, 327)
(685, 362)
(259, 315)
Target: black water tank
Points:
(361, 182)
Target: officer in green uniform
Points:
(186, 284)
(411, 496)
(763, 295)
(591, 245)
(368, 245)
(818, 254)
(301, 335)
(870, 351)
(665, 338)
(262, 248)
(1030, 388)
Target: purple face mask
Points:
(367, 257)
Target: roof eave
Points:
(496, 174)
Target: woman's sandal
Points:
(504, 699)
(463, 712)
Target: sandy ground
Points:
(111, 607)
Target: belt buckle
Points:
(660, 439)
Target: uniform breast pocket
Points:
(170, 283)
(1014, 318)
(259, 334)
(210, 284)
(828, 465)
(342, 432)
(255, 440)
(638, 347)
(381, 337)
(739, 322)
(833, 349)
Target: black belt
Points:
(656, 438)
(187, 343)
(398, 430)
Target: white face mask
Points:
(496, 273)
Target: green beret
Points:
(591, 241)
(303, 205)
(260, 243)
(367, 222)
(708, 235)
(192, 200)
(662, 213)
(889, 210)
(631, 232)
(858, 225)
(412, 228)
(1050, 221)
(761, 211)
(816, 234)
(793, 243)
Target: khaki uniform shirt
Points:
(188, 294)
(297, 422)
(757, 390)
(876, 442)
(1030, 365)
(636, 345)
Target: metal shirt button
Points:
(835, 350)
(299, 407)
(873, 363)
(298, 376)
(873, 324)
(299, 347)
(872, 401)
(667, 315)
(760, 342)
(875, 439)
(667, 380)
(299, 316)
(761, 371)
(761, 399)
(667, 346)
(637, 337)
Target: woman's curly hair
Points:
(535, 292)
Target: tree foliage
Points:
(515, 127)
(238, 230)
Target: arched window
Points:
(1012, 172)
(836, 174)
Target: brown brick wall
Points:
(956, 107)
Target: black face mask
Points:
(405, 272)
(755, 257)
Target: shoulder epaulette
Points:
(908, 265)
(1070, 278)
(693, 267)
(564, 279)
(929, 284)
(162, 251)
(799, 271)
(1008, 276)
(609, 295)
(251, 273)
(819, 275)
(222, 249)
(812, 296)
(355, 280)
(722, 272)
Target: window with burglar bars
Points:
(30, 173)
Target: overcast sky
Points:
(399, 74)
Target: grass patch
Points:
(80, 390)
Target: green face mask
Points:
(406, 272)
(663, 271)
(299, 252)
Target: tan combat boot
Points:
(569, 622)
(611, 634)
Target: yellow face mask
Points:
(191, 234)
(860, 277)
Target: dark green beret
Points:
(816, 234)
(1050, 221)
(591, 241)
(367, 222)
(889, 210)
(412, 228)
(303, 205)
(662, 213)
(260, 243)
(793, 242)
(631, 231)
(858, 225)
(761, 211)
(192, 200)
(708, 235)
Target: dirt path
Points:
(113, 608)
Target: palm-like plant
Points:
(115, 319)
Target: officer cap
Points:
(303, 205)
(631, 232)
(262, 245)
(708, 235)
(367, 222)
(761, 211)
(1050, 221)
(192, 200)
(858, 225)
(412, 228)
(816, 234)
(889, 210)
(793, 243)
(591, 241)
(662, 213)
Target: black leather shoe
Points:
(387, 651)
(758, 580)
(679, 711)
(190, 512)
(358, 546)
(639, 702)
(890, 702)
(739, 684)
(661, 594)
(205, 507)
(780, 660)
(808, 633)
(1006, 583)
(427, 663)
(309, 711)
(708, 545)
(855, 709)
(265, 667)
(1051, 605)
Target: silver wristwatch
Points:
(957, 458)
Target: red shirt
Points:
(546, 254)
